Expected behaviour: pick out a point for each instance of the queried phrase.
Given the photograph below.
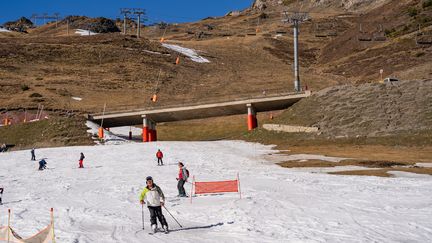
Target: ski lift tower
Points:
(125, 12)
(138, 12)
(295, 18)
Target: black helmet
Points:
(149, 178)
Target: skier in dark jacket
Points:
(42, 164)
(1, 195)
(81, 160)
(155, 199)
(33, 156)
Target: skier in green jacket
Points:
(155, 199)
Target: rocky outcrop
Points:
(97, 25)
(263, 4)
(20, 25)
(349, 5)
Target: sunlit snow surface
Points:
(100, 202)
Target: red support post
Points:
(252, 120)
(150, 132)
(145, 130)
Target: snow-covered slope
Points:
(100, 203)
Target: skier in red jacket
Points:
(159, 156)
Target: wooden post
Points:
(52, 225)
(9, 231)
(238, 183)
(193, 183)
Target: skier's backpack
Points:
(187, 173)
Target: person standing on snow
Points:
(1, 195)
(182, 178)
(33, 156)
(155, 199)
(159, 156)
(81, 160)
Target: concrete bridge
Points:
(150, 117)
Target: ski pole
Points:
(142, 214)
(173, 216)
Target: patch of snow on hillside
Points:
(306, 157)
(84, 32)
(192, 54)
(426, 165)
(409, 174)
(4, 30)
(109, 137)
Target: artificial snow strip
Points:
(192, 54)
(4, 30)
(109, 137)
(84, 32)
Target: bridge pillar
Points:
(252, 120)
(145, 130)
(152, 133)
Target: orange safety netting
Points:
(216, 186)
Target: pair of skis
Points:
(159, 231)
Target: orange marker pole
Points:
(101, 132)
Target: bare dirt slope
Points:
(366, 110)
(249, 52)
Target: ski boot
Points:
(154, 228)
(165, 228)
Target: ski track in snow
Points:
(192, 54)
(100, 203)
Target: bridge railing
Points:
(212, 100)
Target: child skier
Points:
(155, 199)
(33, 156)
(42, 164)
(182, 178)
(81, 160)
(159, 156)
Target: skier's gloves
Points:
(142, 202)
(162, 204)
